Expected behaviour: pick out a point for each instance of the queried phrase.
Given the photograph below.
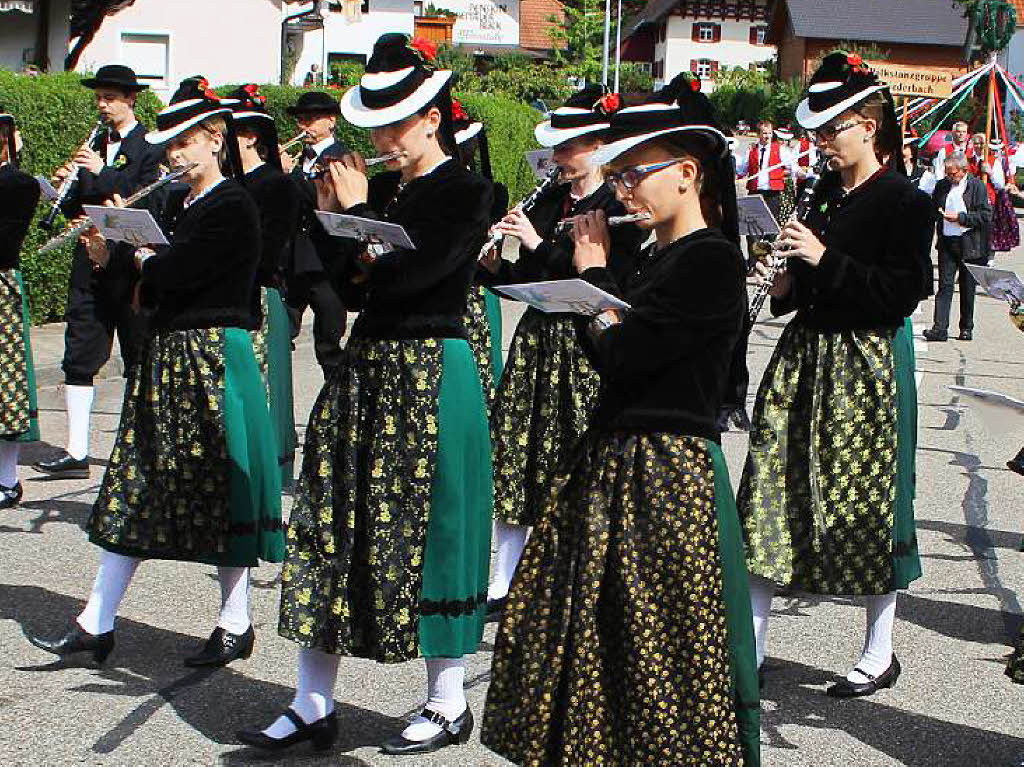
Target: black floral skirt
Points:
(826, 496)
(19, 417)
(193, 474)
(389, 538)
(483, 326)
(547, 394)
(627, 638)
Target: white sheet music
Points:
(365, 229)
(132, 225)
(574, 296)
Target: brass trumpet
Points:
(319, 168)
(289, 144)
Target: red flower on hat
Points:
(254, 94)
(426, 49)
(203, 86)
(608, 104)
(854, 59)
(695, 86)
(458, 113)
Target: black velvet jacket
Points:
(422, 293)
(278, 205)
(19, 194)
(136, 165)
(877, 262)
(313, 250)
(206, 277)
(665, 367)
(552, 260)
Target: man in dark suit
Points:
(315, 256)
(118, 162)
(963, 238)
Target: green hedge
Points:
(55, 114)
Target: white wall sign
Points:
(485, 22)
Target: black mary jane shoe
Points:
(496, 607)
(452, 733)
(322, 733)
(63, 466)
(1016, 465)
(75, 641)
(223, 647)
(844, 688)
(10, 496)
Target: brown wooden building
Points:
(925, 33)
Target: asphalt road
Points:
(952, 706)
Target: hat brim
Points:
(811, 120)
(321, 110)
(242, 116)
(6, 119)
(162, 137)
(362, 116)
(615, 149)
(549, 137)
(93, 83)
(464, 135)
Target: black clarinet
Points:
(800, 212)
(528, 202)
(69, 183)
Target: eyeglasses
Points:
(830, 132)
(628, 178)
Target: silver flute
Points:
(566, 225)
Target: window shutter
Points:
(695, 33)
(753, 35)
(714, 66)
(694, 66)
(717, 33)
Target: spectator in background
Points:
(1005, 231)
(961, 133)
(915, 169)
(765, 167)
(963, 238)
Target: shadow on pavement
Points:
(147, 664)
(999, 539)
(795, 690)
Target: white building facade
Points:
(705, 37)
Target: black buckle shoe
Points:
(844, 688)
(64, 466)
(1015, 464)
(223, 647)
(10, 496)
(452, 733)
(75, 641)
(323, 732)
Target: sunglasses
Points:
(829, 132)
(628, 178)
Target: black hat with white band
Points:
(249, 110)
(177, 118)
(679, 108)
(400, 80)
(466, 129)
(579, 116)
(841, 82)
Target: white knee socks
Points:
(112, 578)
(446, 694)
(8, 463)
(510, 541)
(877, 654)
(761, 592)
(315, 677)
(234, 599)
(79, 406)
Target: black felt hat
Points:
(586, 111)
(842, 81)
(249, 109)
(314, 102)
(400, 80)
(117, 76)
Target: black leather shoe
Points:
(740, 419)
(223, 647)
(75, 641)
(10, 496)
(966, 335)
(932, 334)
(844, 688)
(1015, 464)
(322, 733)
(496, 607)
(64, 466)
(452, 733)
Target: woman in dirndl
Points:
(18, 417)
(193, 474)
(483, 316)
(827, 492)
(278, 206)
(626, 637)
(549, 387)
(389, 537)
(1005, 234)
